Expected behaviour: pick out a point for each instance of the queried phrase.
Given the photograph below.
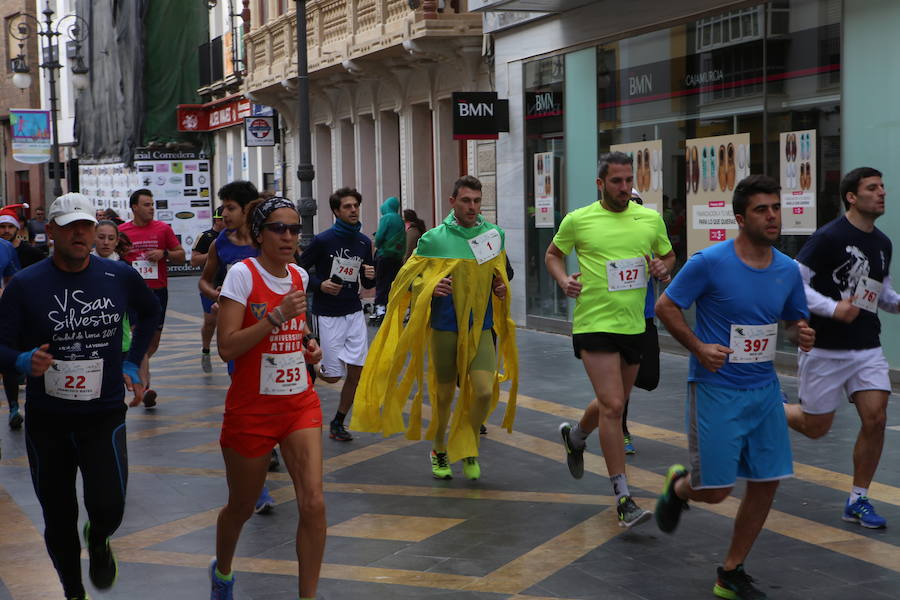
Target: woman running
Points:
(262, 325)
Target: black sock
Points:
(339, 418)
(205, 350)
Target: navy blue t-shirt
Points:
(81, 316)
(318, 259)
(839, 254)
(730, 292)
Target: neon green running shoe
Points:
(629, 446)
(471, 468)
(440, 466)
(736, 585)
(103, 566)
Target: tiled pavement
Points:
(526, 530)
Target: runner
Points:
(11, 377)
(37, 231)
(271, 400)
(390, 243)
(736, 426)
(455, 286)
(846, 273)
(74, 392)
(340, 260)
(198, 259)
(613, 239)
(26, 254)
(154, 247)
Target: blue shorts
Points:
(737, 433)
(207, 304)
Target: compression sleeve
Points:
(147, 311)
(889, 300)
(819, 304)
(367, 260)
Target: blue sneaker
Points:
(221, 589)
(266, 502)
(15, 418)
(863, 512)
(629, 445)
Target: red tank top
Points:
(271, 377)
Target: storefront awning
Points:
(213, 115)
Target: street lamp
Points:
(73, 29)
(305, 170)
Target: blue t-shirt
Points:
(839, 254)
(9, 259)
(650, 301)
(318, 258)
(443, 314)
(230, 254)
(81, 315)
(729, 292)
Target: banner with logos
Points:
(713, 166)
(648, 174)
(31, 135)
(797, 152)
(544, 190)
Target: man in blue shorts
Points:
(198, 259)
(735, 420)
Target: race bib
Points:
(40, 238)
(626, 274)
(753, 343)
(74, 379)
(486, 246)
(867, 292)
(147, 268)
(347, 269)
(282, 374)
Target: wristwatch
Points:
(166, 253)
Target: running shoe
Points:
(83, 596)
(736, 585)
(629, 447)
(265, 503)
(149, 398)
(630, 514)
(863, 512)
(440, 466)
(221, 589)
(274, 462)
(471, 468)
(483, 430)
(206, 362)
(15, 418)
(668, 505)
(574, 457)
(339, 432)
(103, 568)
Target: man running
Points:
(614, 239)
(198, 259)
(845, 267)
(37, 230)
(339, 260)
(154, 246)
(61, 325)
(736, 426)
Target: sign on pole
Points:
(30, 135)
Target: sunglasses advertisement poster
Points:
(797, 156)
(544, 190)
(714, 166)
(648, 171)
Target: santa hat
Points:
(8, 214)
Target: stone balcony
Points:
(347, 30)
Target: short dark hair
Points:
(612, 158)
(242, 192)
(334, 201)
(750, 186)
(466, 181)
(850, 182)
(136, 195)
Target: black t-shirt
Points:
(204, 241)
(839, 254)
(28, 255)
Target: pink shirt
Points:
(155, 235)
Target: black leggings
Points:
(11, 387)
(60, 445)
(386, 269)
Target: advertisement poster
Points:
(797, 152)
(544, 182)
(648, 175)
(713, 166)
(30, 135)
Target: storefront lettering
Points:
(642, 84)
(704, 78)
(482, 109)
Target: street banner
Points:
(544, 190)
(648, 171)
(31, 133)
(797, 158)
(714, 165)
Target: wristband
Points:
(273, 320)
(308, 338)
(276, 317)
(131, 369)
(23, 361)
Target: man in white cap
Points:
(61, 325)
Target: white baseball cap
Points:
(71, 207)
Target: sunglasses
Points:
(279, 228)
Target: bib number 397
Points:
(626, 274)
(74, 379)
(753, 343)
(282, 374)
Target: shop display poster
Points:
(648, 172)
(544, 183)
(797, 160)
